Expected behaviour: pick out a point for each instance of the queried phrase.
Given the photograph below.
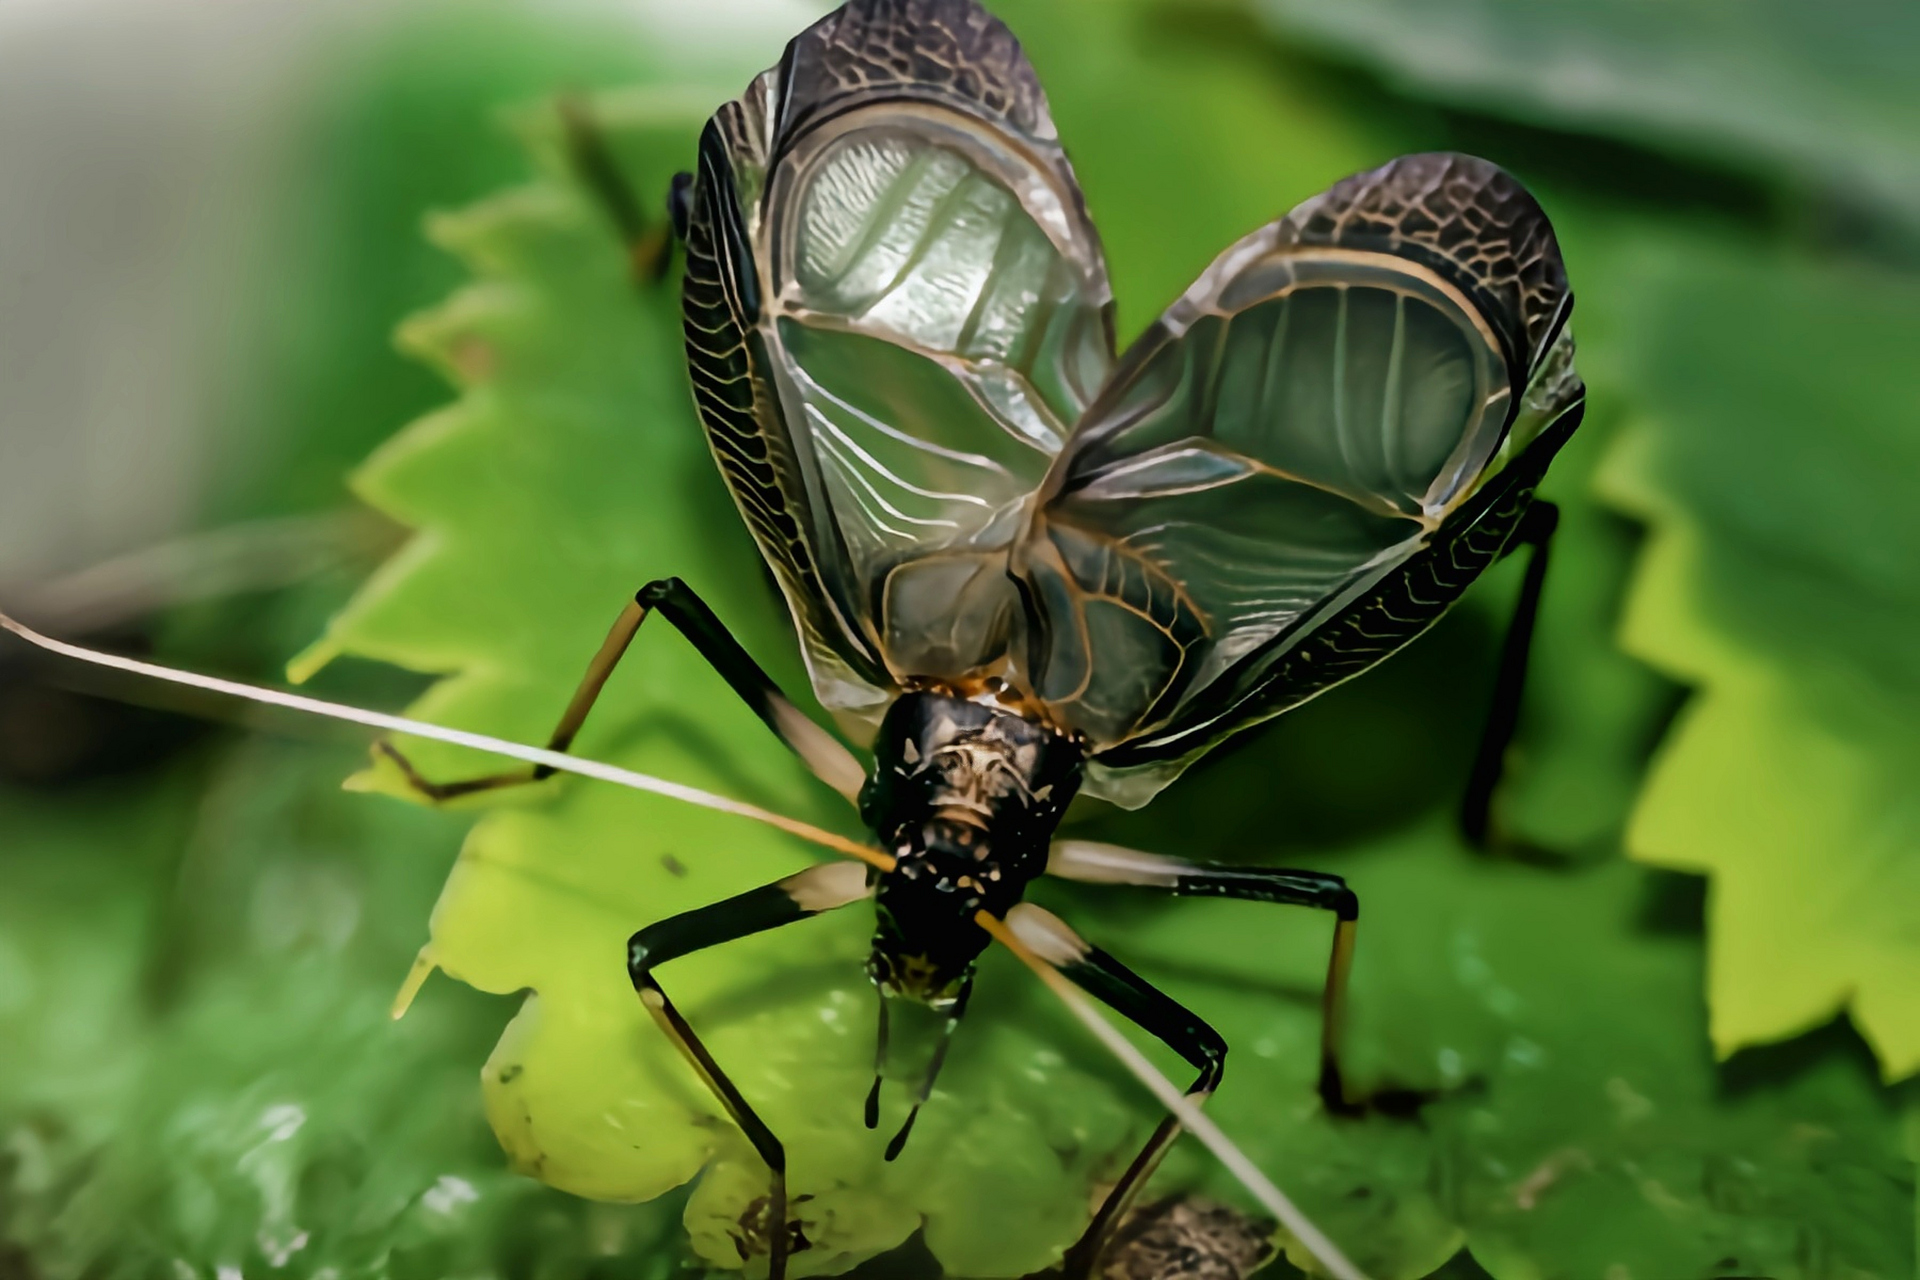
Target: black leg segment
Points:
(1093, 863)
(830, 761)
(1535, 530)
(808, 893)
(1153, 1011)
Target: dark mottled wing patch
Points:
(1294, 438)
(896, 311)
(1466, 217)
(893, 49)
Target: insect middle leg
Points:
(830, 761)
(1093, 863)
(807, 893)
(1153, 1011)
(1535, 530)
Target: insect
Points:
(1032, 566)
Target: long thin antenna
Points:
(461, 738)
(1190, 1116)
(249, 556)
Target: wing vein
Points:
(1390, 425)
(845, 445)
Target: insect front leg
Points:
(1090, 862)
(807, 893)
(1153, 1011)
(1535, 530)
(822, 753)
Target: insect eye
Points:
(680, 203)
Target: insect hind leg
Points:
(1535, 530)
(649, 242)
(611, 650)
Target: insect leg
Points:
(830, 761)
(1153, 1011)
(1534, 530)
(649, 243)
(807, 893)
(1094, 863)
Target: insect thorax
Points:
(966, 795)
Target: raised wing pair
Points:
(900, 334)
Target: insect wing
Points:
(896, 309)
(1297, 428)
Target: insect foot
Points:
(441, 792)
(1181, 1238)
(753, 1230)
(1396, 1101)
(1188, 1238)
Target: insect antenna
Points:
(898, 1142)
(1191, 1117)
(555, 760)
(879, 1069)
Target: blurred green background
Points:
(1672, 1018)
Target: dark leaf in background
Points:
(1777, 461)
(1819, 97)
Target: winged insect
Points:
(1027, 565)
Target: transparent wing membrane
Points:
(899, 326)
(1293, 433)
(927, 315)
(899, 232)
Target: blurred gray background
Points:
(151, 188)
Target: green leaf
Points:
(1823, 95)
(1774, 463)
(1582, 1123)
(1586, 1131)
(569, 476)
(194, 973)
(399, 120)
(1913, 1154)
